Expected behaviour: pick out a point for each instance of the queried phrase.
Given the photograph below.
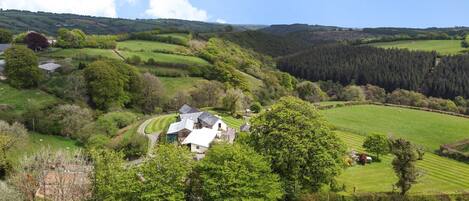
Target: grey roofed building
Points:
(2, 65)
(186, 109)
(3, 47)
(192, 116)
(245, 127)
(208, 119)
(178, 126)
(51, 67)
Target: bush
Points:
(310, 92)
(110, 123)
(134, 60)
(5, 36)
(256, 107)
(133, 147)
(353, 93)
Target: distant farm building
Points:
(198, 130)
(49, 67)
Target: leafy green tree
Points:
(310, 91)
(256, 107)
(110, 179)
(404, 163)
(5, 36)
(104, 85)
(10, 136)
(300, 145)
(353, 93)
(70, 38)
(233, 101)
(22, 67)
(234, 172)
(377, 144)
(164, 176)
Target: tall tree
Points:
(164, 176)
(297, 141)
(36, 41)
(377, 144)
(5, 36)
(152, 93)
(234, 172)
(404, 163)
(310, 92)
(10, 136)
(22, 67)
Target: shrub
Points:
(353, 93)
(111, 122)
(256, 107)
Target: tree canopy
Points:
(22, 67)
(234, 172)
(377, 144)
(5, 36)
(299, 144)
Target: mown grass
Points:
(181, 36)
(35, 142)
(20, 99)
(231, 121)
(441, 46)
(140, 45)
(439, 174)
(71, 53)
(424, 128)
(174, 85)
(161, 123)
(167, 58)
(327, 103)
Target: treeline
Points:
(449, 79)
(390, 69)
(157, 35)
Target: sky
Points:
(345, 13)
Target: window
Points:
(197, 147)
(219, 125)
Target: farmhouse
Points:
(198, 129)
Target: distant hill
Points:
(284, 29)
(49, 23)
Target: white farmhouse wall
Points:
(198, 149)
(223, 127)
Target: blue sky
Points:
(347, 13)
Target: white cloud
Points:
(178, 9)
(221, 21)
(104, 8)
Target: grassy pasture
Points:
(179, 36)
(36, 141)
(167, 58)
(140, 45)
(174, 85)
(161, 123)
(19, 99)
(441, 46)
(439, 174)
(70, 53)
(424, 128)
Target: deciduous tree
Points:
(36, 41)
(377, 144)
(22, 67)
(5, 36)
(234, 172)
(404, 163)
(299, 144)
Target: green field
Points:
(139, 45)
(327, 103)
(228, 119)
(35, 142)
(439, 174)
(161, 123)
(167, 58)
(181, 36)
(424, 128)
(20, 99)
(70, 53)
(174, 85)
(441, 46)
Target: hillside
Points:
(49, 23)
(444, 47)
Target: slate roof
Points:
(245, 127)
(186, 109)
(202, 137)
(3, 47)
(178, 126)
(49, 66)
(208, 119)
(192, 116)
